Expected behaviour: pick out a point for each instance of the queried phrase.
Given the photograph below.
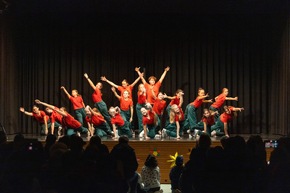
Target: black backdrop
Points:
(244, 47)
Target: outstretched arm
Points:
(90, 82)
(238, 109)
(65, 91)
(164, 74)
(232, 98)
(103, 78)
(25, 112)
(115, 93)
(44, 104)
(137, 69)
(135, 82)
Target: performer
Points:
(149, 121)
(177, 99)
(174, 127)
(55, 120)
(152, 85)
(190, 111)
(78, 104)
(119, 123)
(219, 101)
(40, 117)
(97, 98)
(206, 122)
(221, 126)
(125, 85)
(97, 125)
(69, 122)
(158, 107)
(141, 102)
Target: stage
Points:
(164, 149)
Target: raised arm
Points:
(25, 112)
(164, 74)
(115, 93)
(137, 69)
(103, 78)
(135, 82)
(44, 104)
(90, 82)
(65, 91)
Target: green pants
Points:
(190, 117)
(139, 116)
(218, 127)
(80, 115)
(102, 107)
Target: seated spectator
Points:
(175, 174)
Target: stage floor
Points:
(164, 149)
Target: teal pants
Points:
(190, 117)
(102, 107)
(124, 130)
(71, 131)
(80, 115)
(218, 127)
(151, 131)
(102, 130)
(171, 130)
(216, 116)
(139, 116)
(42, 125)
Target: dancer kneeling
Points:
(119, 123)
(175, 125)
(149, 121)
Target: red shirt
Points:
(128, 88)
(55, 116)
(155, 88)
(95, 119)
(77, 102)
(147, 121)
(197, 102)
(141, 98)
(225, 118)
(179, 116)
(70, 122)
(159, 106)
(40, 117)
(175, 101)
(125, 104)
(118, 120)
(97, 96)
(208, 120)
(219, 101)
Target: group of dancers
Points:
(150, 108)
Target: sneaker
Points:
(141, 135)
(157, 136)
(188, 131)
(59, 130)
(164, 134)
(195, 132)
(213, 133)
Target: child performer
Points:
(190, 112)
(177, 99)
(149, 121)
(119, 123)
(125, 85)
(78, 104)
(206, 122)
(69, 122)
(97, 125)
(152, 85)
(158, 107)
(141, 102)
(40, 117)
(221, 126)
(174, 127)
(219, 101)
(55, 120)
(97, 98)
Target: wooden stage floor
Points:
(164, 149)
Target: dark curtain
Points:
(245, 52)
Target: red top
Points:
(40, 117)
(175, 101)
(125, 104)
(141, 98)
(118, 120)
(55, 116)
(70, 122)
(128, 88)
(225, 118)
(149, 88)
(179, 116)
(197, 102)
(97, 96)
(159, 106)
(77, 102)
(219, 101)
(208, 120)
(95, 119)
(147, 121)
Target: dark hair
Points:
(151, 161)
(123, 139)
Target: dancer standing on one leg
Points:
(152, 86)
(78, 104)
(71, 125)
(40, 117)
(190, 112)
(175, 123)
(221, 127)
(97, 98)
(219, 101)
(125, 85)
(97, 125)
